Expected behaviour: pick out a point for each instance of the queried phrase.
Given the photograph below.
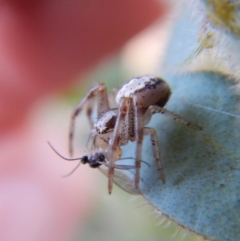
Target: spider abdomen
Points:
(148, 91)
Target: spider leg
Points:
(155, 144)
(103, 102)
(139, 138)
(114, 142)
(87, 100)
(157, 109)
(89, 110)
(112, 96)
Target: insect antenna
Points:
(75, 168)
(67, 159)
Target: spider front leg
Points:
(155, 144)
(157, 109)
(139, 113)
(103, 105)
(114, 142)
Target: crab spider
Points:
(137, 101)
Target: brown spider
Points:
(137, 101)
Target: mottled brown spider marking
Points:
(106, 122)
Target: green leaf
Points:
(202, 168)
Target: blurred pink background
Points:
(45, 46)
